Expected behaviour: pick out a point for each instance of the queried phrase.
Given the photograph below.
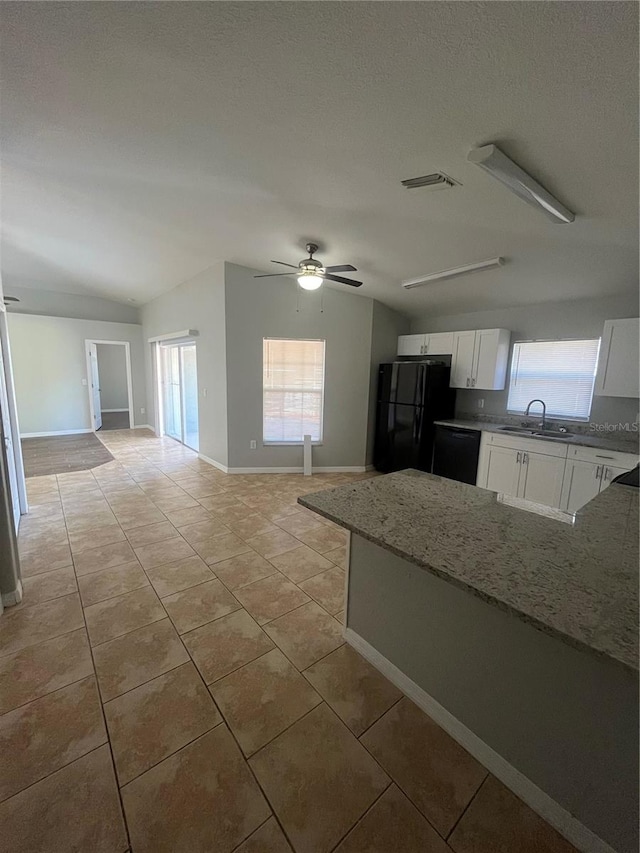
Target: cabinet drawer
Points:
(532, 445)
(599, 456)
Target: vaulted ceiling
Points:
(143, 142)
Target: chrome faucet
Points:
(544, 411)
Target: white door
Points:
(95, 387)
(411, 344)
(581, 484)
(503, 470)
(11, 460)
(541, 478)
(462, 359)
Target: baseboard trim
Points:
(143, 426)
(213, 462)
(54, 432)
(555, 814)
(10, 599)
(347, 469)
(114, 410)
(344, 469)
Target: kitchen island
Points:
(517, 632)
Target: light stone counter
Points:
(578, 582)
(616, 441)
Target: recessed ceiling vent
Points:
(436, 181)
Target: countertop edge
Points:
(588, 440)
(483, 596)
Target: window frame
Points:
(314, 443)
(552, 416)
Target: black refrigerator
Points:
(411, 396)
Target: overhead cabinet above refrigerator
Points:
(479, 357)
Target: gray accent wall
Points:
(550, 320)
(566, 719)
(49, 366)
(273, 307)
(112, 371)
(77, 306)
(197, 304)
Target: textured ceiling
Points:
(143, 142)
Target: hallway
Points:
(177, 681)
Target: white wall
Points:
(80, 306)
(550, 320)
(196, 304)
(49, 365)
(112, 370)
(262, 308)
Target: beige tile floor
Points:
(176, 680)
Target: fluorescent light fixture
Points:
(492, 160)
(436, 276)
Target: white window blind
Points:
(293, 390)
(562, 373)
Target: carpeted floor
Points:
(60, 454)
(115, 420)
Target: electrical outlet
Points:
(84, 381)
(252, 445)
(481, 403)
(142, 411)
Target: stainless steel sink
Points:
(523, 430)
(554, 433)
(547, 433)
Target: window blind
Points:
(562, 373)
(292, 390)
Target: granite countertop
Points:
(578, 582)
(618, 441)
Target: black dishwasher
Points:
(455, 453)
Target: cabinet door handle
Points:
(604, 457)
(473, 383)
(606, 474)
(525, 458)
(598, 467)
(467, 381)
(518, 457)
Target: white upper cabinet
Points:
(462, 359)
(438, 343)
(618, 365)
(411, 344)
(480, 359)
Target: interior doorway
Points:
(178, 375)
(109, 384)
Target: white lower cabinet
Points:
(541, 478)
(582, 483)
(547, 472)
(525, 474)
(502, 470)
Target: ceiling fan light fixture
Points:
(310, 280)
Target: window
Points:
(292, 390)
(561, 373)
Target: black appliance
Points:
(411, 396)
(455, 453)
(629, 478)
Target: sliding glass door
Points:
(180, 393)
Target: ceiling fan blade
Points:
(341, 268)
(293, 266)
(272, 274)
(341, 280)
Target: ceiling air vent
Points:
(436, 181)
